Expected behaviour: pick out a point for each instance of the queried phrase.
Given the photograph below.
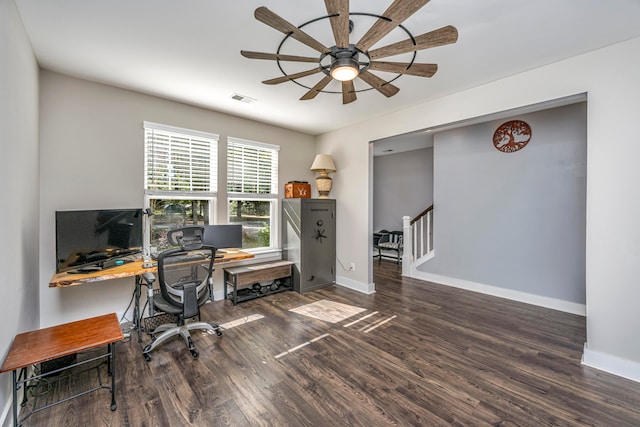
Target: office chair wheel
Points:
(192, 348)
(145, 353)
(219, 332)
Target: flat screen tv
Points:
(91, 240)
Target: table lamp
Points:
(323, 163)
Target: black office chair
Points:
(185, 276)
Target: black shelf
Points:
(247, 294)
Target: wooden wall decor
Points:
(512, 136)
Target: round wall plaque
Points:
(512, 136)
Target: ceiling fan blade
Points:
(440, 37)
(397, 13)
(420, 70)
(387, 89)
(289, 77)
(266, 16)
(317, 88)
(348, 92)
(275, 56)
(340, 22)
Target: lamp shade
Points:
(323, 162)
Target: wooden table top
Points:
(129, 269)
(30, 348)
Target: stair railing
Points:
(421, 233)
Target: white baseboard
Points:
(553, 303)
(6, 413)
(218, 295)
(355, 285)
(6, 417)
(611, 364)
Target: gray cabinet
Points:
(309, 240)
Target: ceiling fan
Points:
(345, 61)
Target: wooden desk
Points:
(32, 348)
(131, 269)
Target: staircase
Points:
(418, 238)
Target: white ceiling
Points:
(189, 51)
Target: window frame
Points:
(273, 197)
(210, 196)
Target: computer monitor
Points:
(223, 236)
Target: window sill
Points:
(264, 253)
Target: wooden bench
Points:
(43, 345)
(276, 275)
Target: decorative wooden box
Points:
(297, 190)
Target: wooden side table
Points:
(42, 345)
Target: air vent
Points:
(242, 98)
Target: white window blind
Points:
(179, 159)
(252, 168)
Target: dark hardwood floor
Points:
(420, 354)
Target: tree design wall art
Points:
(512, 136)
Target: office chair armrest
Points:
(149, 278)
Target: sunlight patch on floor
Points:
(298, 347)
(329, 311)
(241, 321)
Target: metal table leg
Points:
(112, 371)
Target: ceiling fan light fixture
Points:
(345, 61)
(345, 69)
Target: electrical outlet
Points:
(352, 266)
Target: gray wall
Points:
(516, 220)
(402, 185)
(91, 157)
(18, 189)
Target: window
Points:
(252, 187)
(180, 173)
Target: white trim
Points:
(232, 139)
(614, 365)
(426, 257)
(251, 196)
(179, 195)
(274, 221)
(218, 295)
(541, 301)
(355, 285)
(175, 129)
(6, 411)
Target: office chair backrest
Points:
(185, 273)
